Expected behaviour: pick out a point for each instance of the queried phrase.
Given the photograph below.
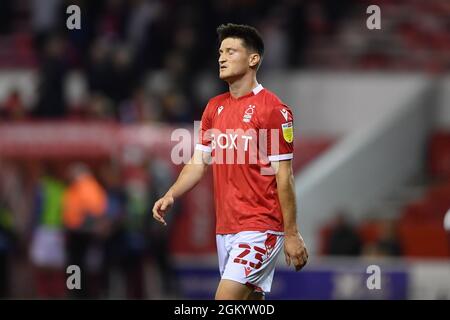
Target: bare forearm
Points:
(191, 174)
(286, 195)
(294, 247)
(188, 178)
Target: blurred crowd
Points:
(96, 216)
(414, 36)
(153, 60)
(376, 238)
(145, 60)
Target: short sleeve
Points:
(204, 143)
(280, 135)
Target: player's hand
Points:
(295, 250)
(161, 207)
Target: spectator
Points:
(161, 177)
(44, 20)
(388, 242)
(122, 78)
(84, 207)
(114, 240)
(137, 207)
(99, 66)
(51, 102)
(47, 252)
(343, 240)
(6, 246)
(13, 107)
(6, 16)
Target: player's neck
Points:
(242, 86)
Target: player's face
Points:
(233, 59)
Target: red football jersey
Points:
(243, 136)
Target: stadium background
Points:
(372, 153)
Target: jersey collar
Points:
(254, 92)
(257, 89)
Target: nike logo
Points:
(247, 271)
(284, 113)
(220, 109)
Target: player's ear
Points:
(254, 59)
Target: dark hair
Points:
(250, 37)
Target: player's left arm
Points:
(294, 247)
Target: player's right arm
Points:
(189, 176)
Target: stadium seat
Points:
(439, 155)
(369, 231)
(425, 239)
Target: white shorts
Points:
(249, 257)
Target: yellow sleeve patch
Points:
(288, 131)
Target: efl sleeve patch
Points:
(288, 131)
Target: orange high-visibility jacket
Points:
(83, 197)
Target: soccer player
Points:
(255, 208)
